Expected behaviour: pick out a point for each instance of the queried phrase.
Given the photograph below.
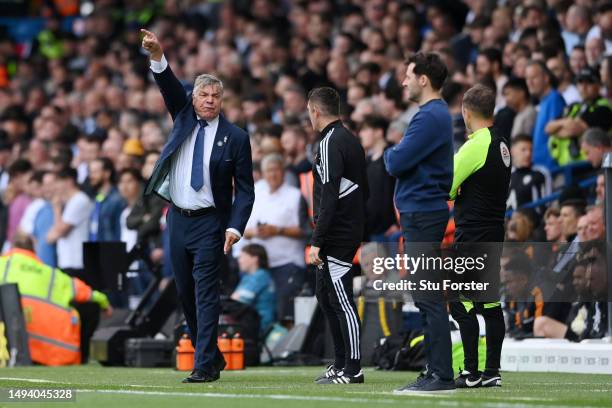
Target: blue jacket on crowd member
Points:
(105, 222)
(231, 168)
(422, 161)
(257, 289)
(550, 108)
(42, 224)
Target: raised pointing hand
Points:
(151, 44)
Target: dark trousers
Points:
(288, 282)
(465, 312)
(196, 250)
(429, 227)
(334, 291)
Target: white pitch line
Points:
(32, 380)
(242, 396)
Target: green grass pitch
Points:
(289, 387)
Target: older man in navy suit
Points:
(206, 161)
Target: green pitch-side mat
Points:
(288, 387)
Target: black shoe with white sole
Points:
(431, 383)
(491, 380)
(423, 376)
(468, 380)
(341, 378)
(330, 372)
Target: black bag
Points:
(400, 352)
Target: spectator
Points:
(594, 111)
(88, 150)
(293, 141)
(381, 222)
(527, 184)
(71, 213)
(524, 299)
(452, 93)
(600, 189)
(557, 64)
(541, 85)
(256, 287)
(520, 227)
(5, 156)
(489, 66)
(596, 227)
(516, 95)
(552, 225)
(34, 190)
(578, 59)
(581, 228)
(594, 49)
(605, 72)
(588, 317)
(571, 211)
(279, 222)
(578, 23)
(129, 187)
(595, 144)
(16, 196)
(105, 218)
(43, 222)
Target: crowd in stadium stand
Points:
(82, 124)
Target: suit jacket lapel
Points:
(183, 127)
(221, 140)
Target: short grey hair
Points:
(271, 159)
(597, 138)
(207, 79)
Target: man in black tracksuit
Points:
(340, 193)
(480, 188)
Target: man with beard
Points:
(105, 220)
(422, 163)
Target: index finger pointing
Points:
(142, 30)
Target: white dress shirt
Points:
(280, 208)
(181, 192)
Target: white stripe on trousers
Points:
(336, 272)
(339, 261)
(351, 319)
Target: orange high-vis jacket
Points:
(53, 326)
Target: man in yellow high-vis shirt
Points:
(481, 182)
(53, 325)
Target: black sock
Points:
(352, 367)
(470, 334)
(496, 330)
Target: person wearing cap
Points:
(594, 111)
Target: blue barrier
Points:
(554, 196)
(568, 170)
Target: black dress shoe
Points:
(219, 362)
(201, 376)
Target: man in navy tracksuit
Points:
(422, 162)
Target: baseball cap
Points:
(588, 74)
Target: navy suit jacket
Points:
(231, 168)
